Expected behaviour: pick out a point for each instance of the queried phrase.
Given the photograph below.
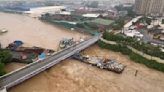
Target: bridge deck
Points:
(32, 69)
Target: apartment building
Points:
(149, 7)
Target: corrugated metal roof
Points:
(130, 22)
(91, 15)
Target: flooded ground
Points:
(33, 32)
(13, 66)
(75, 76)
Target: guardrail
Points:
(20, 75)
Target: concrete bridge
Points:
(9, 80)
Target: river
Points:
(32, 31)
(72, 75)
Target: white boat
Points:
(3, 31)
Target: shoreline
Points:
(34, 32)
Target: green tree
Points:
(147, 20)
(162, 21)
(131, 13)
(119, 7)
(118, 24)
(2, 71)
(5, 56)
(94, 4)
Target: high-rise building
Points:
(149, 7)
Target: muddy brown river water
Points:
(33, 32)
(74, 76)
(71, 75)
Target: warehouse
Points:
(37, 12)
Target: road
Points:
(149, 38)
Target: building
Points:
(127, 1)
(122, 13)
(130, 23)
(149, 7)
(37, 12)
(91, 15)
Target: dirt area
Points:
(13, 66)
(75, 76)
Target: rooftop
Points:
(91, 15)
(133, 20)
(102, 21)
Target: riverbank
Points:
(74, 76)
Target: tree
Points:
(119, 7)
(5, 56)
(116, 27)
(120, 21)
(94, 4)
(131, 13)
(118, 24)
(162, 21)
(148, 21)
(2, 71)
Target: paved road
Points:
(32, 69)
(149, 38)
(146, 37)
